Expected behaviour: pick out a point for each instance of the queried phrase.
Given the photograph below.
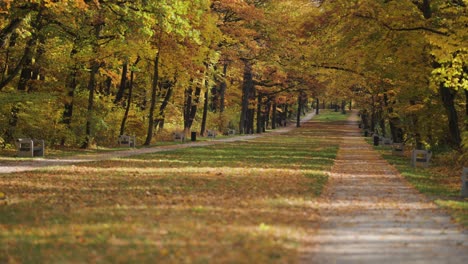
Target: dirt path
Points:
(39, 163)
(370, 214)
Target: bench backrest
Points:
(28, 147)
(127, 140)
(211, 133)
(421, 156)
(178, 135)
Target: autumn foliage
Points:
(79, 73)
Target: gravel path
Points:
(370, 214)
(40, 163)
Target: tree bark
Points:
(259, 114)
(123, 82)
(154, 90)
(274, 116)
(190, 106)
(89, 118)
(247, 88)
(448, 100)
(222, 90)
(299, 110)
(169, 91)
(129, 99)
(205, 113)
(317, 106)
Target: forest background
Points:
(79, 73)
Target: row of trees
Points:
(406, 64)
(80, 71)
(76, 72)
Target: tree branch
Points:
(389, 27)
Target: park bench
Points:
(28, 147)
(178, 136)
(386, 141)
(398, 149)
(464, 178)
(127, 141)
(229, 132)
(211, 133)
(421, 157)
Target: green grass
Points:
(440, 182)
(242, 202)
(330, 115)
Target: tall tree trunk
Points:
(129, 99)
(317, 106)
(154, 90)
(190, 106)
(29, 53)
(299, 109)
(123, 82)
(71, 85)
(267, 115)
(274, 115)
(89, 117)
(448, 99)
(37, 74)
(343, 107)
(205, 112)
(95, 65)
(222, 90)
(169, 90)
(259, 113)
(247, 88)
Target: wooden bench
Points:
(127, 141)
(178, 136)
(386, 141)
(464, 187)
(421, 157)
(211, 134)
(398, 149)
(28, 147)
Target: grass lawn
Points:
(242, 202)
(441, 181)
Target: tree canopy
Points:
(83, 72)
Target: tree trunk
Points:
(247, 88)
(317, 106)
(205, 113)
(259, 114)
(274, 116)
(154, 90)
(129, 99)
(169, 90)
(448, 99)
(29, 53)
(95, 65)
(222, 90)
(123, 82)
(267, 115)
(299, 110)
(343, 107)
(190, 106)
(89, 118)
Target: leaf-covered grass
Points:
(242, 202)
(441, 182)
